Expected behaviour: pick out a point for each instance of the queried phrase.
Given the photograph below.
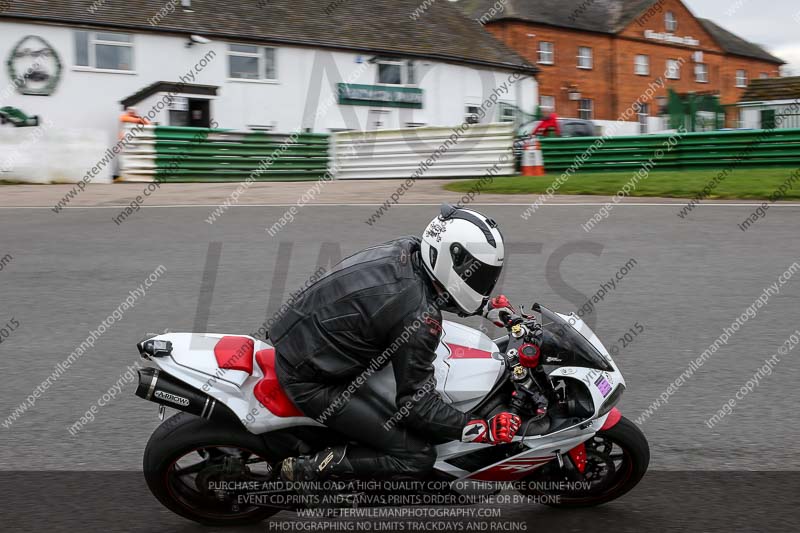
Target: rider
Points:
(379, 305)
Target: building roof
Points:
(603, 16)
(772, 89)
(733, 44)
(374, 26)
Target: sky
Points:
(774, 24)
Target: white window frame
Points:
(260, 56)
(543, 53)
(670, 22)
(471, 117)
(643, 114)
(673, 74)
(701, 72)
(547, 108)
(589, 110)
(406, 68)
(411, 73)
(91, 48)
(501, 112)
(590, 57)
(641, 68)
(399, 63)
(741, 78)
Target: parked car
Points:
(570, 127)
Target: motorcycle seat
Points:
(268, 390)
(235, 353)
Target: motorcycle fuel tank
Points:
(468, 364)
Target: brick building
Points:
(597, 57)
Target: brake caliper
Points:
(578, 456)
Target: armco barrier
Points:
(428, 152)
(176, 154)
(693, 151)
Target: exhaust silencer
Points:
(161, 388)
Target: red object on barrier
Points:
(532, 158)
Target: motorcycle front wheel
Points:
(616, 460)
(188, 459)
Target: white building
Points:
(772, 103)
(275, 65)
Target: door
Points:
(768, 119)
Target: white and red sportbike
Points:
(237, 424)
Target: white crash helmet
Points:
(463, 250)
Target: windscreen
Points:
(562, 345)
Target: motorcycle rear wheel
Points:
(180, 488)
(620, 454)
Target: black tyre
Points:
(617, 459)
(183, 487)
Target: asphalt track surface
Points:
(691, 279)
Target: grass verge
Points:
(743, 183)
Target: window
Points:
(397, 72)
(741, 78)
(246, 62)
(390, 73)
(643, 112)
(642, 65)
(104, 50)
(663, 105)
(673, 69)
(764, 75)
(585, 109)
(411, 73)
(547, 104)
(472, 114)
(270, 64)
(508, 112)
(584, 57)
(701, 73)
(546, 53)
(671, 22)
(574, 129)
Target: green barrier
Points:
(197, 154)
(690, 151)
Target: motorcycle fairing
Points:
(463, 379)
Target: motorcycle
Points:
(236, 424)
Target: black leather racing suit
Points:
(352, 322)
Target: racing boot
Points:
(327, 464)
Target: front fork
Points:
(578, 454)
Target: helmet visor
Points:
(479, 276)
